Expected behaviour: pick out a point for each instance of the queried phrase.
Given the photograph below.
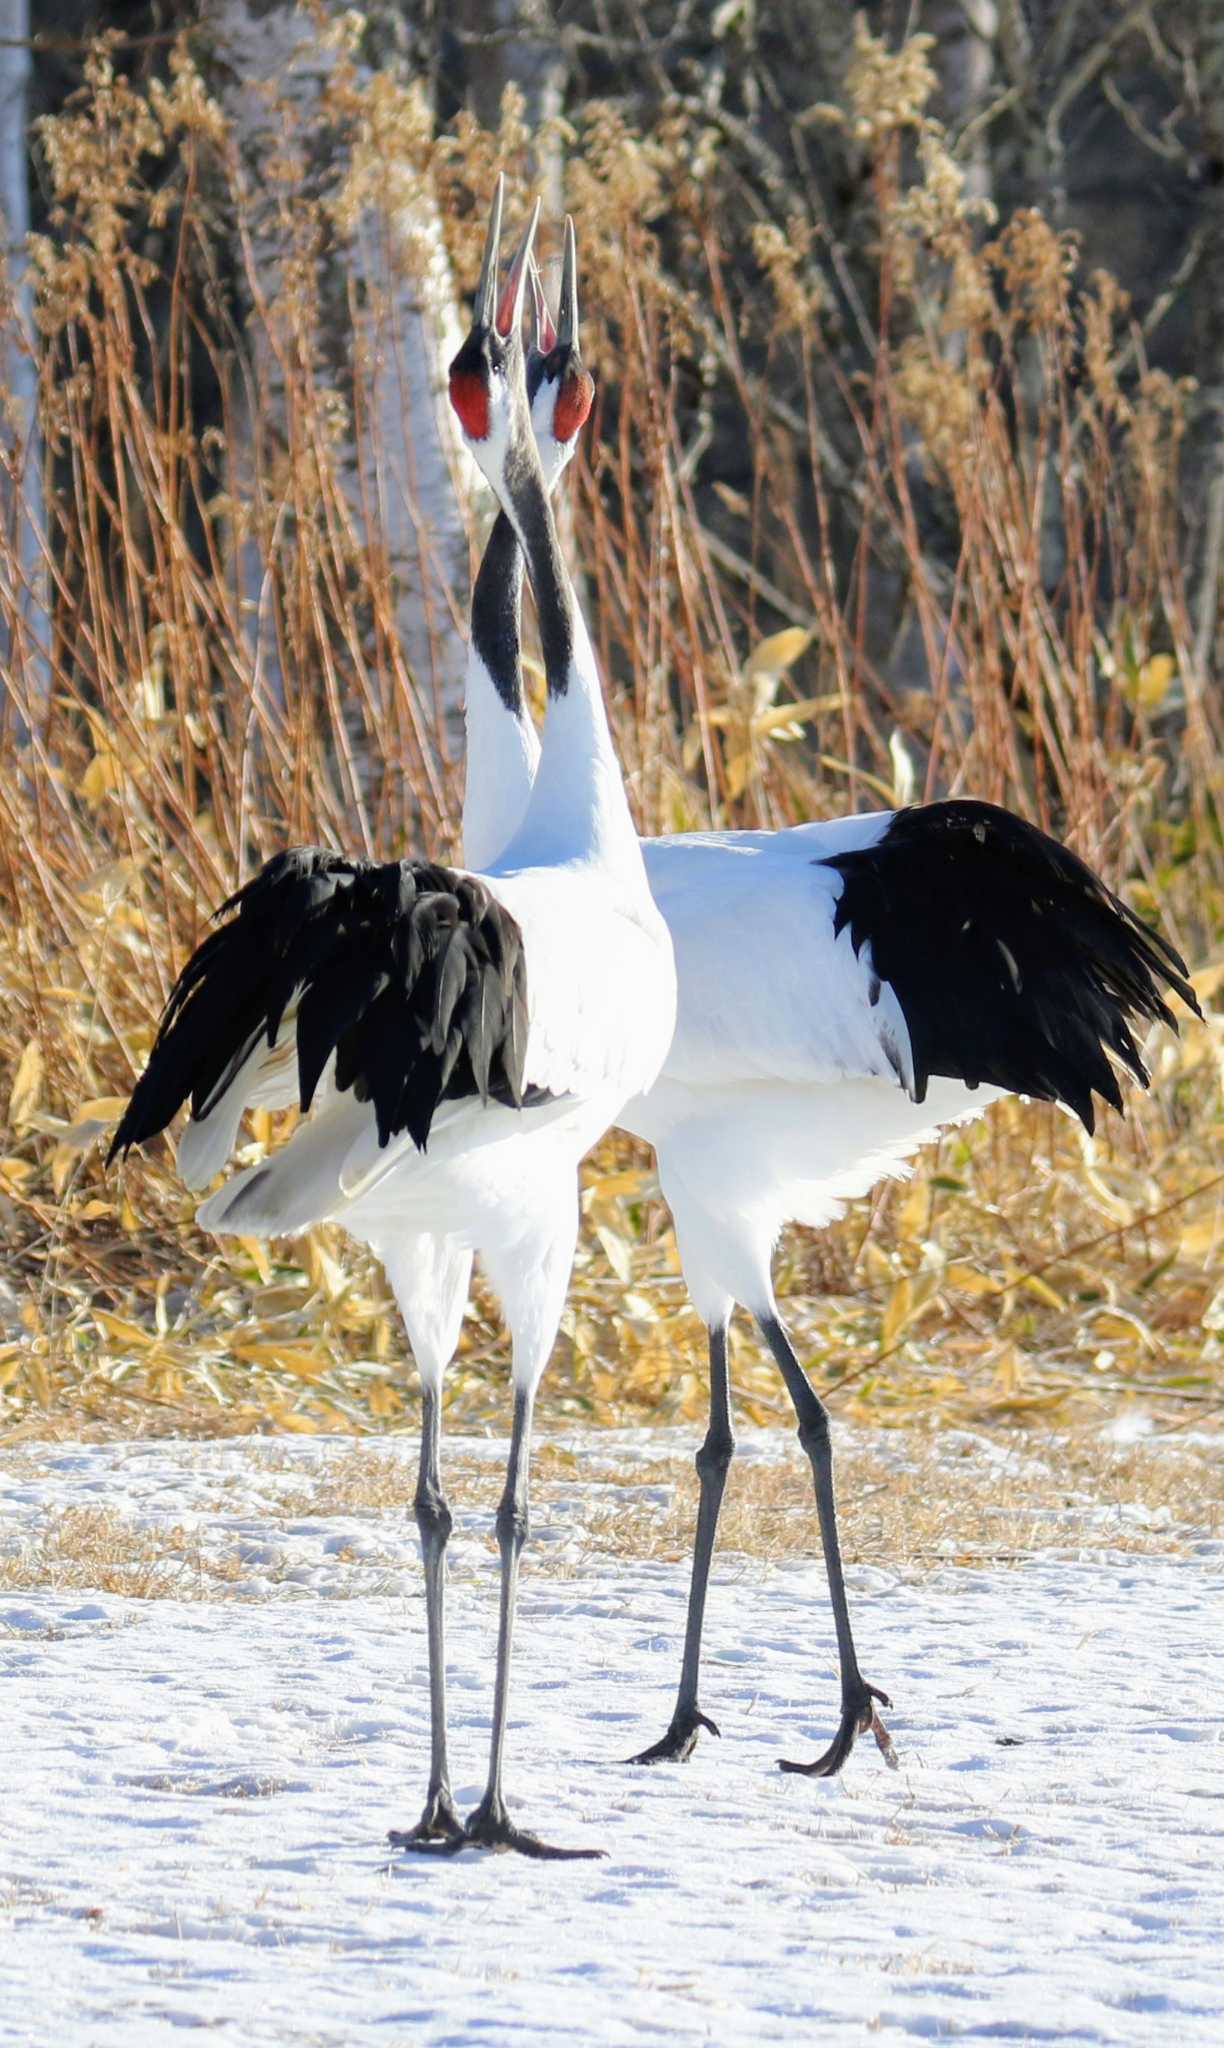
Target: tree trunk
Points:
(408, 479)
(24, 630)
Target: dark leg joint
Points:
(433, 1515)
(715, 1455)
(513, 1525)
(814, 1429)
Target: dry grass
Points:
(99, 1550)
(922, 1509)
(1026, 1271)
(930, 1504)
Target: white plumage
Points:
(785, 1092)
(460, 1039)
(809, 962)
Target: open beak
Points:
(510, 305)
(567, 305)
(544, 334)
(486, 290)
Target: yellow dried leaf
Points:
(897, 1313)
(969, 1280)
(303, 1360)
(38, 1381)
(304, 1365)
(640, 1307)
(26, 1092)
(869, 781)
(1009, 1372)
(63, 1165)
(384, 1400)
(101, 776)
(1044, 1292)
(909, 1297)
(738, 770)
(912, 1219)
(634, 1180)
(257, 1253)
(782, 715)
(123, 1331)
(326, 1273)
(106, 1107)
(1205, 981)
(617, 1251)
(691, 748)
(1197, 1241)
(1152, 684)
(775, 654)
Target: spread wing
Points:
(952, 940)
(406, 983)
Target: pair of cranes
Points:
(461, 1037)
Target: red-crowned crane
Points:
(459, 1039)
(846, 990)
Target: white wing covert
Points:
(769, 989)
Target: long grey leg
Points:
(713, 1459)
(439, 1821)
(490, 1825)
(858, 1698)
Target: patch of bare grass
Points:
(100, 1550)
(910, 1501)
(915, 1505)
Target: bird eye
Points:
(481, 358)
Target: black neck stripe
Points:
(495, 613)
(554, 604)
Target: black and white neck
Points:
(577, 809)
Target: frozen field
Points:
(200, 1765)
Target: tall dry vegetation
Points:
(940, 555)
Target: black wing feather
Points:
(412, 975)
(1013, 964)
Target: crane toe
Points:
(490, 1827)
(439, 1829)
(859, 1715)
(677, 1746)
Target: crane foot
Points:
(490, 1827)
(677, 1746)
(439, 1829)
(858, 1716)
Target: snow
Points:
(196, 1789)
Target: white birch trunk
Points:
(412, 453)
(24, 625)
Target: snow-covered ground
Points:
(196, 1786)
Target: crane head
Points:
(560, 388)
(483, 388)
